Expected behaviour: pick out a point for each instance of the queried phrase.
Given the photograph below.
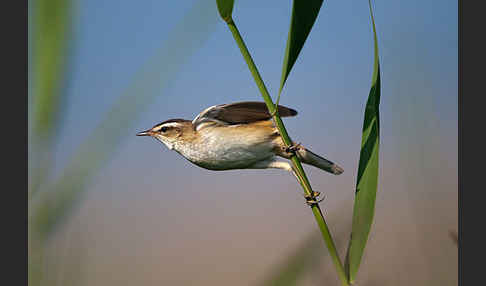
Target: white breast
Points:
(233, 150)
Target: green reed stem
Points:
(303, 180)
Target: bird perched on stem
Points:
(238, 135)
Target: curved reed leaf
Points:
(50, 39)
(51, 20)
(367, 182)
(304, 14)
(225, 8)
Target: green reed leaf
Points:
(304, 14)
(225, 8)
(51, 20)
(367, 182)
(51, 24)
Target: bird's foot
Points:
(314, 199)
(294, 148)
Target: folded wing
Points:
(239, 113)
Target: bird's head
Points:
(170, 132)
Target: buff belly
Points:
(227, 152)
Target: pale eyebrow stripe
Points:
(171, 124)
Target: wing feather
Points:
(239, 113)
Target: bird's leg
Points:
(272, 163)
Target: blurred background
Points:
(109, 208)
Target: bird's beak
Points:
(145, 133)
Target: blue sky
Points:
(114, 41)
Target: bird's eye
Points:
(163, 129)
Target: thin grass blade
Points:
(50, 22)
(367, 182)
(51, 25)
(304, 14)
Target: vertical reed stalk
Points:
(303, 180)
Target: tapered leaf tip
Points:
(367, 183)
(304, 15)
(225, 8)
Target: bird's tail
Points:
(308, 157)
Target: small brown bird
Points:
(238, 135)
